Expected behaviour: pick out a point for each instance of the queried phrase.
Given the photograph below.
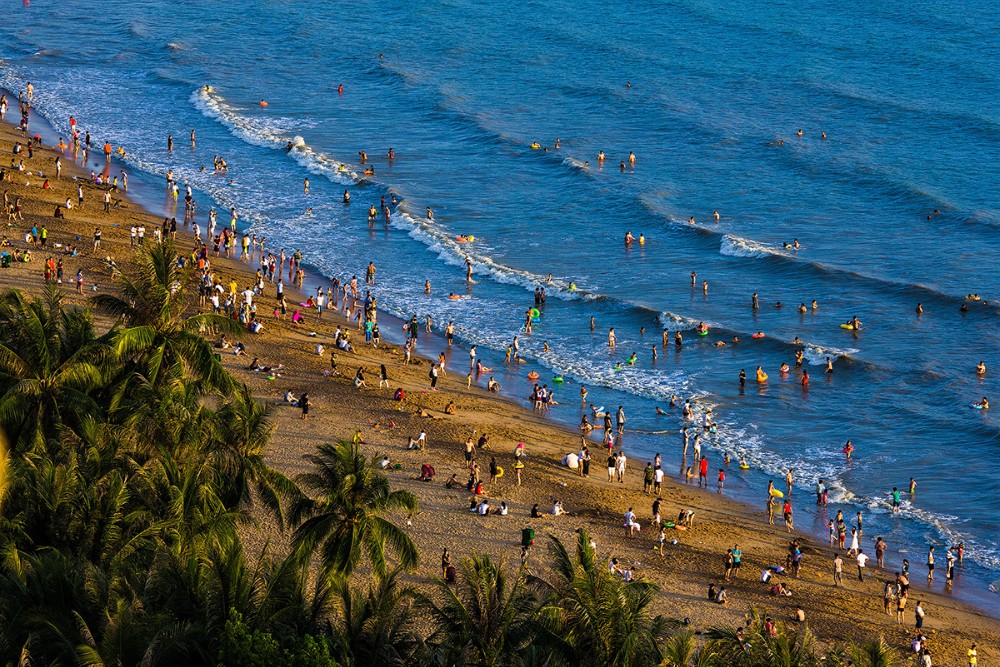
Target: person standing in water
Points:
(468, 269)
(612, 338)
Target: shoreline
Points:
(683, 574)
(742, 484)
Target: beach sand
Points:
(853, 612)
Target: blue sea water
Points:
(709, 96)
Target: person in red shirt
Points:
(703, 473)
(787, 511)
(805, 378)
(722, 479)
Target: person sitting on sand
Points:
(722, 597)
(450, 408)
(359, 378)
(535, 514)
(290, 398)
(493, 385)
(385, 463)
(239, 349)
(557, 508)
(427, 472)
(780, 590)
(453, 482)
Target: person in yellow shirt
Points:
(972, 656)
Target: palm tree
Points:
(47, 367)
(784, 646)
(159, 334)
(874, 653)
(681, 650)
(488, 619)
(236, 451)
(377, 626)
(347, 518)
(593, 617)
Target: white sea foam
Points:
(817, 354)
(674, 321)
(735, 246)
(260, 130)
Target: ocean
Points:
(898, 206)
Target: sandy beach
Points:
(683, 573)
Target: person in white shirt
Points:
(620, 462)
(631, 525)
(484, 507)
(862, 560)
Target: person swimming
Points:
(981, 368)
(632, 359)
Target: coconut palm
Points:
(159, 334)
(377, 626)
(681, 650)
(236, 451)
(593, 617)
(756, 645)
(486, 620)
(346, 518)
(47, 367)
(874, 653)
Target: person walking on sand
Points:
(838, 570)
(304, 403)
(787, 513)
(445, 563)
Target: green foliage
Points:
(243, 647)
(594, 617)
(346, 520)
(488, 619)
